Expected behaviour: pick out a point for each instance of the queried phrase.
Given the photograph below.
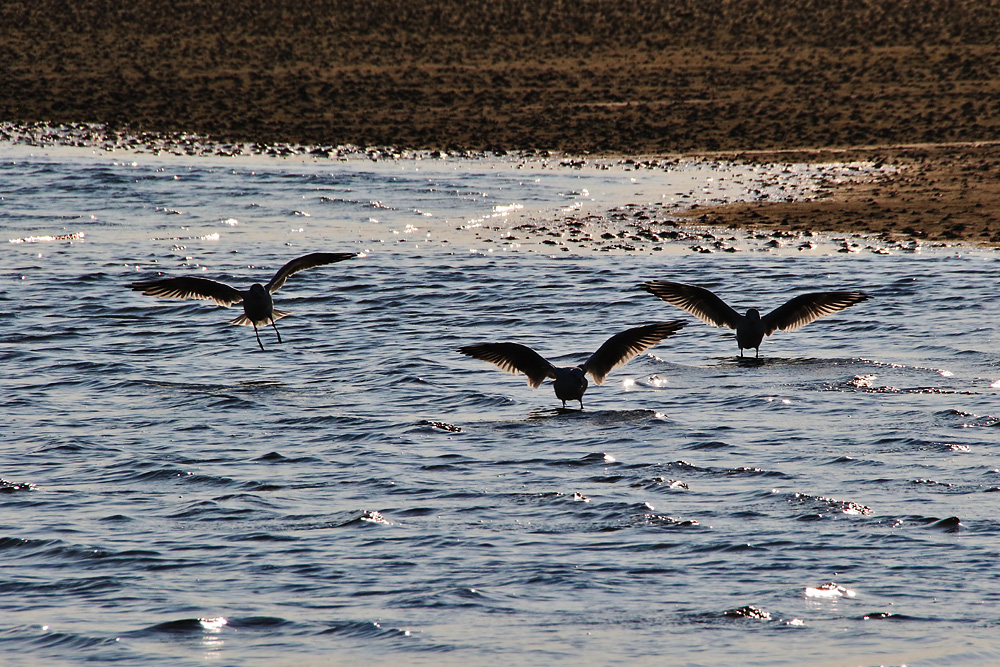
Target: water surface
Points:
(364, 494)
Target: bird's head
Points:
(257, 289)
(753, 314)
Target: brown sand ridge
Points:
(915, 82)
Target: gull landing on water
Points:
(571, 381)
(258, 307)
(752, 327)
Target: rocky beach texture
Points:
(914, 83)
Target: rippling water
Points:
(364, 494)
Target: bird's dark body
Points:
(570, 384)
(750, 332)
(258, 305)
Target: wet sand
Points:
(942, 193)
(917, 84)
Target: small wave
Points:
(440, 425)
(14, 543)
(664, 521)
(712, 445)
(597, 417)
(93, 277)
(367, 203)
(829, 591)
(78, 586)
(748, 611)
(61, 551)
(275, 457)
(890, 616)
(15, 487)
(47, 238)
(661, 484)
(850, 460)
(67, 640)
(365, 630)
(211, 625)
(232, 403)
(175, 475)
(971, 420)
(210, 510)
(822, 503)
(596, 458)
(951, 524)
(343, 520)
(315, 420)
(454, 598)
(754, 472)
(938, 485)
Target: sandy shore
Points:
(942, 193)
(917, 83)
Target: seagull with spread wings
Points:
(752, 327)
(258, 307)
(571, 381)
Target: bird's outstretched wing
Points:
(698, 301)
(805, 308)
(303, 263)
(513, 357)
(621, 347)
(187, 287)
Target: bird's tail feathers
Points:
(243, 320)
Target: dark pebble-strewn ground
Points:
(916, 82)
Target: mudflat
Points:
(916, 83)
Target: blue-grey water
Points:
(363, 494)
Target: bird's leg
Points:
(581, 403)
(757, 350)
(257, 335)
(564, 403)
(276, 329)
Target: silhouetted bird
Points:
(570, 381)
(751, 328)
(258, 307)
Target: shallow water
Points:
(364, 494)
